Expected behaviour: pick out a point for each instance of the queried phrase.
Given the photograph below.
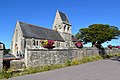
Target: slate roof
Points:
(32, 31)
(63, 17)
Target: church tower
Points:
(63, 26)
(61, 23)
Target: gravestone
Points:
(2, 47)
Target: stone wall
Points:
(17, 64)
(39, 57)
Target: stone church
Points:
(30, 36)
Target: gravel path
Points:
(98, 70)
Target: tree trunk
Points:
(93, 43)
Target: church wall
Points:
(67, 39)
(28, 43)
(17, 41)
(32, 43)
(38, 45)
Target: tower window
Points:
(54, 26)
(68, 28)
(64, 27)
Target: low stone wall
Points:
(17, 64)
(39, 57)
(1, 59)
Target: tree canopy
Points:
(98, 33)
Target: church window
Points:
(59, 44)
(34, 42)
(16, 35)
(64, 27)
(59, 25)
(24, 43)
(68, 28)
(54, 26)
(37, 43)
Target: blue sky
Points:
(81, 14)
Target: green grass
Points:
(12, 73)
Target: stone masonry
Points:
(39, 57)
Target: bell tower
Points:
(63, 26)
(61, 23)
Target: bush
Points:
(110, 46)
(117, 47)
(48, 44)
(79, 44)
(6, 74)
(75, 62)
(68, 62)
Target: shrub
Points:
(68, 62)
(86, 59)
(6, 74)
(79, 44)
(75, 62)
(48, 44)
(117, 47)
(110, 46)
(56, 66)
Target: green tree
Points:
(6, 51)
(98, 34)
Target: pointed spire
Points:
(57, 10)
(18, 21)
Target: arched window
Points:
(54, 27)
(33, 42)
(68, 28)
(24, 43)
(37, 43)
(64, 27)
